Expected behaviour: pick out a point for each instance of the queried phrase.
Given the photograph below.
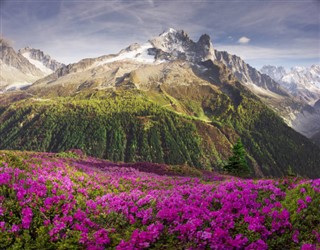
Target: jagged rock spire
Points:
(176, 44)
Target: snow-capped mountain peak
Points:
(302, 82)
(172, 40)
(168, 46)
(176, 44)
(40, 60)
(135, 52)
(169, 31)
(276, 73)
(37, 63)
(22, 68)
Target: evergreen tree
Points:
(237, 163)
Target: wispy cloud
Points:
(70, 30)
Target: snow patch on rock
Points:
(38, 64)
(136, 53)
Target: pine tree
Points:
(237, 163)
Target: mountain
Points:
(169, 46)
(111, 70)
(177, 45)
(22, 68)
(304, 85)
(169, 100)
(276, 73)
(268, 90)
(16, 70)
(260, 84)
(301, 82)
(296, 112)
(40, 60)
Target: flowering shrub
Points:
(49, 202)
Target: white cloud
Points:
(244, 40)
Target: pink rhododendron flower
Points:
(295, 236)
(308, 199)
(26, 217)
(15, 228)
(2, 225)
(308, 247)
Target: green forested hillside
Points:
(119, 129)
(131, 126)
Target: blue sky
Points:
(282, 32)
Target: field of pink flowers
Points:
(53, 202)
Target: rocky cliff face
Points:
(41, 57)
(304, 85)
(247, 74)
(276, 73)
(301, 82)
(16, 70)
(19, 70)
(177, 45)
(12, 59)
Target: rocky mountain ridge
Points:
(9, 57)
(301, 82)
(170, 46)
(248, 75)
(177, 45)
(20, 69)
(41, 57)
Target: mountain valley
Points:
(170, 100)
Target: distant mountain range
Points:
(301, 82)
(304, 85)
(22, 68)
(169, 100)
(172, 46)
